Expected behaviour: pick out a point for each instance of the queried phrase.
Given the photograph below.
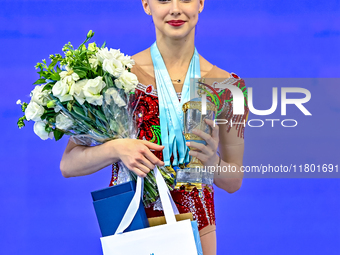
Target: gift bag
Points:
(110, 205)
(168, 239)
(160, 220)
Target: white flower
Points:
(69, 75)
(34, 111)
(113, 66)
(128, 81)
(69, 80)
(116, 53)
(126, 61)
(94, 62)
(77, 90)
(39, 96)
(61, 90)
(39, 130)
(19, 102)
(103, 54)
(110, 94)
(92, 90)
(63, 122)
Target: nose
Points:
(175, 8)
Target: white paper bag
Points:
(168, 239)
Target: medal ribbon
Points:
(170, 109)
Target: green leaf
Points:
(44, 116)
(42, 73)
(80, 73)
(82, 53)
(58, 69)
(48, 86)
(55, 77)
(108, 80)
(70, 105)
(82, 68)
(49, 113)
(40, 81)
(100, 125)
(58, 134)
(104, 44)
(90, 114)
(46, 75)
(53, 63)
(100, 115)
(78, 110)
(100, 71)
(84, 108)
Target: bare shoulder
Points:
(144, 61)
(213, 70)
(143, 58)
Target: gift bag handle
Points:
(169, 206)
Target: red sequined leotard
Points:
(197, 199)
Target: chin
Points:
(180, 34)
(177, 37)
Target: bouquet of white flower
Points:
(87, 97)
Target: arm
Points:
(80, 160)
(231, 148)
(136, 155)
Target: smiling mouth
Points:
(176, 23)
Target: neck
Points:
(176, 52)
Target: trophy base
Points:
(188, 186)
(194, 175)
(195, 163)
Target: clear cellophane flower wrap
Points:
(87, 95)
(121, 124)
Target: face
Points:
(174, 18)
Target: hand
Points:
(206, 153)
(136, 155)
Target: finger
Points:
(200, 133)
(139, 172)
(142, 167)
(153, 146)
(143, 160)
(199, 146)
(215, 127)
(202, 157)
(152, 158)
(208, 138)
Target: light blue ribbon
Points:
(170, 109)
